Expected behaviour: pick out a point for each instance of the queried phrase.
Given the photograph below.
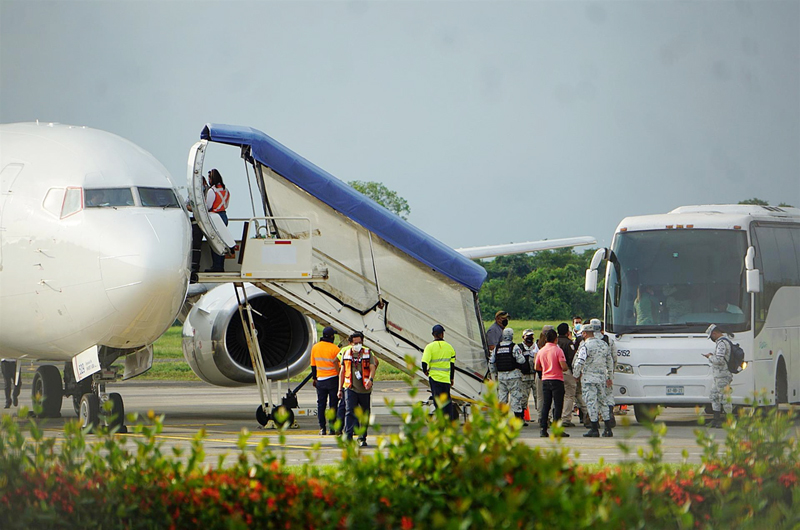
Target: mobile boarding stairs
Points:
(323, 248)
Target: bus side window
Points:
(787, 254)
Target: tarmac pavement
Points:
(224, 412)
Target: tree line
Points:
(546, 285)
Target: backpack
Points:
(736, 358)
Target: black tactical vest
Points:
(504, 358)
(526, 367)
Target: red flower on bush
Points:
(406, 523)
(788, 479)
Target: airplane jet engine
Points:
(214, 342)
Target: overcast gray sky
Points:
(497, 121)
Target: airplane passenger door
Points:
(7, 177)
(218, 235)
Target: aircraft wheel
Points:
(47, 390)
(84, 387)
(645, 414)
(116, 417)
(89, 415)
(261, 417)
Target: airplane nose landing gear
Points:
(90, 400)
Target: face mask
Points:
(528, 340)
(504, 322)
(578, 328)
(356, 348)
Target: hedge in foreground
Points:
(430, 475)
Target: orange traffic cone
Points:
(527, 415)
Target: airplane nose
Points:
(147, 274)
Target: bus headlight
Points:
(624, 368)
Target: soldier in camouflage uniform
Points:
(608, 391)
(504, 365)
(528, 348)
(593, 366)
(722, 376)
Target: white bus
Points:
(669, 276)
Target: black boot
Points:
(543, 434)
(521, 415)
(613, 420)
(716, 423)
(594, 432)
(586, 421)
(607, 431)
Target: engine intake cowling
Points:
(214, 341)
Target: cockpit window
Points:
(72, 202)
(158, 197)
(108, 197)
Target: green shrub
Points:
(431, 474)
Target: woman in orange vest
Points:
(217, 199)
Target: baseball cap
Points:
(710, 330)
(501, 314)
(328, 331)
(508, 334)
(528, 332)
(438, 328)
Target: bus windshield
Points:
(677, 281)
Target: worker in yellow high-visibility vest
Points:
(438, 363)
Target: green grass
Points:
(168, 364)
(536, 325)
(169, 345)
(168, 361)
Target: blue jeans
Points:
(437, 389)
(327, 395)
(218, 260)
(553, 392)
(352, 400)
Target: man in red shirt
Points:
(552, 363)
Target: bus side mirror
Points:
(753, 281)
(591, 273)
(591, 281)
(753, 278)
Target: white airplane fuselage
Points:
(77, 270)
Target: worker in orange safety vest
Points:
(217, 199)
(356, 377)
(325, 372)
